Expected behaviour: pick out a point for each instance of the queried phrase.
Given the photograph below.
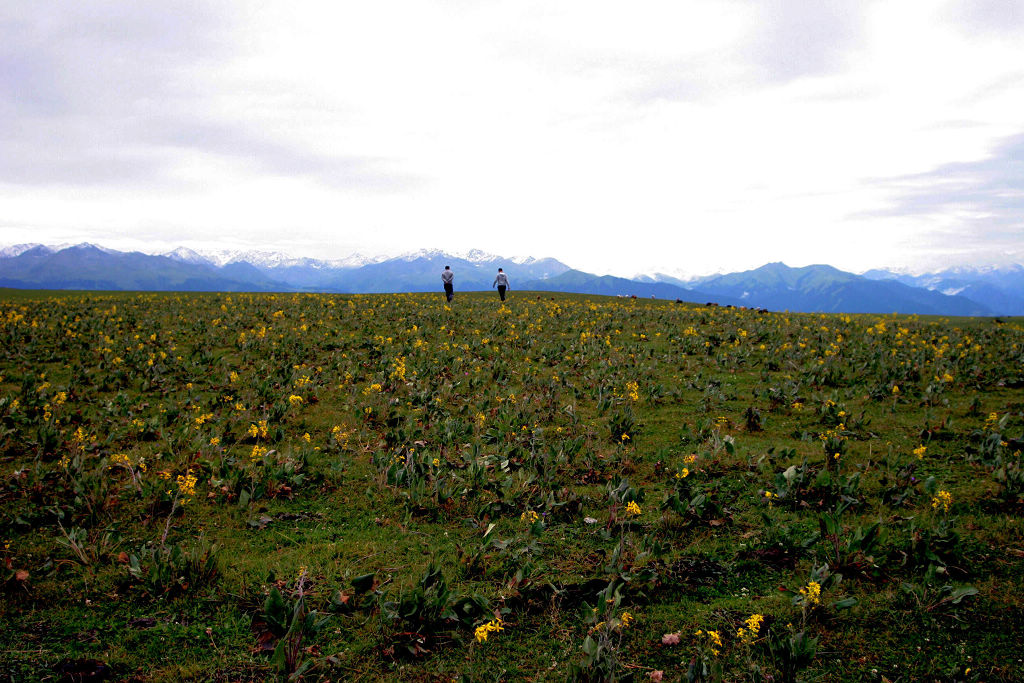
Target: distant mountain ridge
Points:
(999, 288)
(822, 288)
(87, 266)
(775, 286)
(609, 285)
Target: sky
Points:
(678, 137)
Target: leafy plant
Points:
(287, 621)
(606, 621)
(430, 607)
(791, 653)
(168, 570)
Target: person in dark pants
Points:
(502, 281)
(446, 277)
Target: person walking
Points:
(446, 277)
(501, 280)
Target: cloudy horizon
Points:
(713, 137)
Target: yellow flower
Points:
(920, 451)
(294, 400)
(943, 499)
(626, 618)
(683, 474)
(748, 634)
(186, 486)
(633, 509)
(398, 369)
(530, 516)
(714, 641)
(259, 430)
(484, 630)
(812, 594)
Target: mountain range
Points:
(775, 286)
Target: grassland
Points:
(243, 487)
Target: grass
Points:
(154, 529)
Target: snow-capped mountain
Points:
(955, 291)
(522, 260)
(667, 278)
(87, 266)
(1000, 287)
(272, 259)
(19, 249)
(357, 260)
(471, 255)
(266, 259)
(477, 256)
(269, 259)
(420, 254)
(186, 255)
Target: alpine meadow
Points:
(232, 487)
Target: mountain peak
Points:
(89, 246)
(479, 255)
(186, 255)
(19, 249)
(475, 256)
(422, 254)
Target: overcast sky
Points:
(682, 137)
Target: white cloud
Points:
(676, 137)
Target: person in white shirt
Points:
(502, 282)
(446, 277)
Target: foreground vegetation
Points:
(235, 487)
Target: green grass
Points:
(106, 399)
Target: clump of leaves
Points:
(429, 608)
(285, 623)
(169, 570)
